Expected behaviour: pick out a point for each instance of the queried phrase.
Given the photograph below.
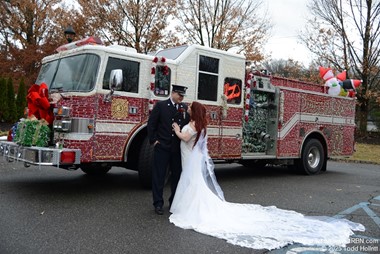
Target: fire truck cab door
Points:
(118, 111)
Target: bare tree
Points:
(346, 35)
(224, 24)
(135, 23)
(292, 69)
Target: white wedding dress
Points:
(199, 204)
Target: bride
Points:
(199, 204)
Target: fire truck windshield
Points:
(70, 74)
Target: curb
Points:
(355, 161)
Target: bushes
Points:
(3, 100)
(12, 105)
(21, 103)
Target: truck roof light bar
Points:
(86, 41)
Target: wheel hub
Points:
(313, 158)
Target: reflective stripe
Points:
(312, 118)
(114, 127)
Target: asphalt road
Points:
(49, 210)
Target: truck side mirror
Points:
(116, 82)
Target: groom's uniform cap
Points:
(181, 90)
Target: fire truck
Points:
(100, 98)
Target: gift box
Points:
(32, 133)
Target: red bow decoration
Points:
(38, 103)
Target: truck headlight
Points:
(63, 125)
(62, 111)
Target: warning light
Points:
(86, 41)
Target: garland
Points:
(247, 96)
(165, 72)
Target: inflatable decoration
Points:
(350, 85)
(330, 80)
(38, 103)
(339, 85)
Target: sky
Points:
(288, 18)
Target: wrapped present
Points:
(19, 136)
(32, 132)
(42, 134)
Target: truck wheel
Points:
(145, 164)
(313, 158)
(95, 169)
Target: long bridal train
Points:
(199, 204)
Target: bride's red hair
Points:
(198, 115)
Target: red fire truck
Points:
(100, 98)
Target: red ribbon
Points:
(38, 103)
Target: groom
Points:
(166, 143)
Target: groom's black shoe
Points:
(158, 210)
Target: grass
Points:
(366, 153)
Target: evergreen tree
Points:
(11, 104)
(21, 102)
(3, 100)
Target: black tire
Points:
(145, 161)
(95, 169)
(313, 159)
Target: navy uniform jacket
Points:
(163, 115)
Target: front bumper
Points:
(43, 156)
